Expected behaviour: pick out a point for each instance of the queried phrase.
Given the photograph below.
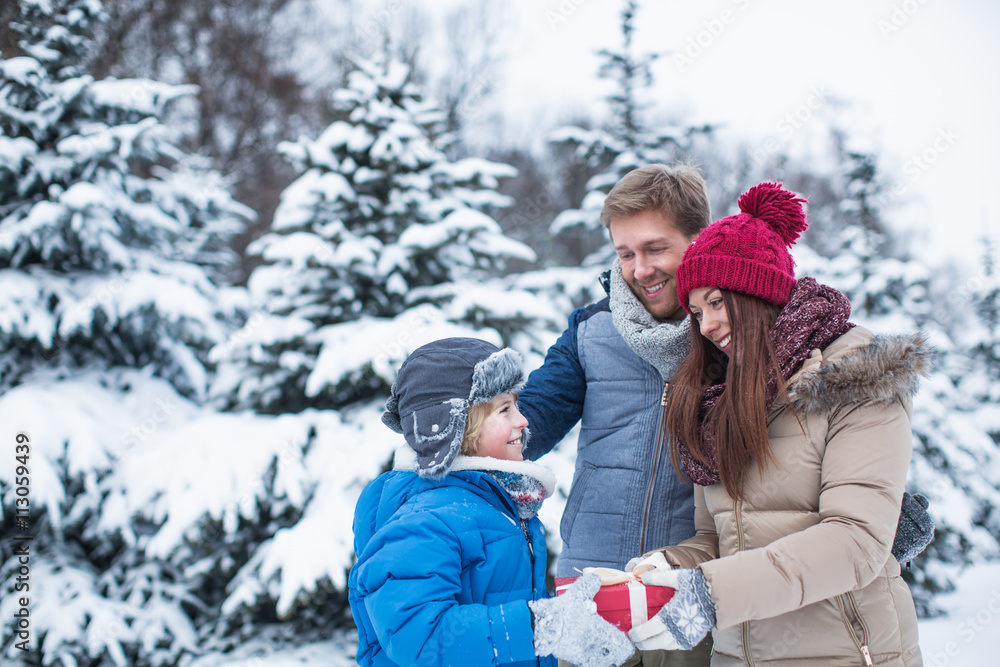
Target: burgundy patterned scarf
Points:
(814, 317)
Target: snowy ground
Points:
(967, 637)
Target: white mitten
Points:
(635, 561)
(653, 635)
(569, 628)
(684, 620)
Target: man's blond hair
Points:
(678, 192)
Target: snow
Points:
(474, 169)
(380, 344)
(239, 451)
(498, 245)
(492, 302)
(966, 635)
(103, 418)
(296, 249)
(176, 531)
(22, 70)
(13, 152)
(338, 651)
(125, 295)
(143, 95)
(20, 311)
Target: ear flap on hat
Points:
(391, 415)
(435, 433)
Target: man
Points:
(608, 371)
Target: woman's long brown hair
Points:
(738, 420)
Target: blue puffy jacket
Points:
(444, 572)
(626, 498)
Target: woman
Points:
(794, 424)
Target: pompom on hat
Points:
(436, 386)
(748, 252)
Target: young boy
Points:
(451, 555)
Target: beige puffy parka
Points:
(801, 571)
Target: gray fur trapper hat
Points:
(435, 387)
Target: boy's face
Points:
(650, 249)
(500, 435)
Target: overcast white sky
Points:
(924, 77)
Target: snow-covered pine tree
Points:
(381, 244)
(112, 242)
(955, 463)
(379, 222)
(978, 303)
(626, 142)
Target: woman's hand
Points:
(685, 620)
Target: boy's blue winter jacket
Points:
(444, 572)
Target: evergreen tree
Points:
(381, 244)
(378, 222)
(112, 246)
(625, 143)
(980, 298)
(110, 239)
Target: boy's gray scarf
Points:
(526, 491)
(662, 344)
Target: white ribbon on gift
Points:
(638, 608)
(637, 602)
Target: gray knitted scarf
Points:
(663, 344)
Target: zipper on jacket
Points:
(531, 552)
(660, 440)
(864, 629)
(740, 546)
(527, 536)
(649, 497)
(862, 643)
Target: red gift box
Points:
(627, 604)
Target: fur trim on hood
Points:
(500, 373)
(885, 370)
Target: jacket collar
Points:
(405, 459)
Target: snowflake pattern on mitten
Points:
(690, 614)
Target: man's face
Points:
(650, 249)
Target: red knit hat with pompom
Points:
(747, 252)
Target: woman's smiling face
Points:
(709, 310)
